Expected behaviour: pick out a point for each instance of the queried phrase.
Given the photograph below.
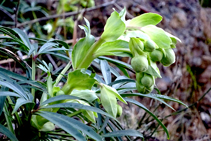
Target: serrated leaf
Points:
(150, 113)
(121, 133)
(105, 71)
(154, 32)
(114, 27)
(7, 133)
(145, 19)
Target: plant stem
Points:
(33, 76)
(74, 113)
(8, 118)
(89, 56)
(62, 73)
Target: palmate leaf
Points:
(71, 125)
(121, 133)
(7, 133)
(144, 108)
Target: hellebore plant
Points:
(44, 110)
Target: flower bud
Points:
(156, 55)
(139, 63)
(169, 58)
(136, 46)
(142, 89)
(119, 110)
(147, 80)
(149, 46)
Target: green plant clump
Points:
(41, 110)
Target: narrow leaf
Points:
(20, 102)
(23, 37)
(68, 124)
(57, 98)
(78, 106)
(144, 108)
(105, 71)
(121, 133)
(149, 96)
(7, 133)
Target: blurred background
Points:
(189, 79)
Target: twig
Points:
(65, 14)
(16, 13)
(7, 13)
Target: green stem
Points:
(8, 119)
(33, 76)
(89, 57)
(75, 113)
(62, 73)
